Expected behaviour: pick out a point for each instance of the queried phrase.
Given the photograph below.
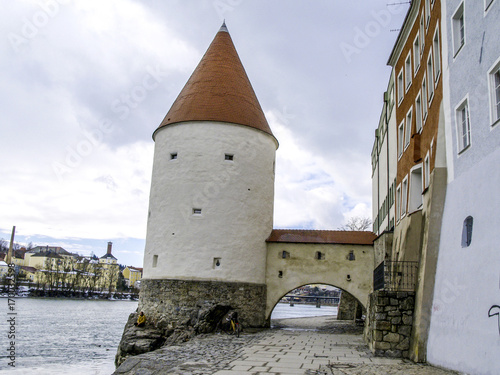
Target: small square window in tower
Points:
(285, 254)
(229, 157)
(173, 156)
(351, 255)
(319, 255)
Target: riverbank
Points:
(309, 346)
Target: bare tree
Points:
(50, 276)
(112, 278)
(3, 245)
(357, 223)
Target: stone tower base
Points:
(176, 310)
(181, 302)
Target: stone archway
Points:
(291, 265)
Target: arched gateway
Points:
(299, 257)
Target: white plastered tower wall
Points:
(209, 216)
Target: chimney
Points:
(110, 244)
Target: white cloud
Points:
(106, 196)
(311, 191)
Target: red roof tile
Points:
(218, 90)
(322, 236)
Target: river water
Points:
(60, 336)
(80, 337)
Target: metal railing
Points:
(395, 276)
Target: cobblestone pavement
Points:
(318, 346)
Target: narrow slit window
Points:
(196, 211)
(173, 156)
(155, 261)
(229, 157)
(467, 232)
(217, 263)
(319, 255)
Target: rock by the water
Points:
(138, 340)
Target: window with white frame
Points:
(427, 171)
(401, 135)
(416, 184)
(408, 127)
(427, 12)
(494, 77)
(400, 87)
(458, 29)
(422, 33)
(398, 202)
(416, 53)
(463, 125)
(430, 74)
(418, 113)
(424, 99)
(404, 196)
(408, 71)
(437, 57)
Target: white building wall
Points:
(462, 335)
(235, 198)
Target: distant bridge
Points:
(296, 298)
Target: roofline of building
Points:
(324, 241)
(403, 32)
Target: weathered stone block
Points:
(383, 326)
(407, 304)
(396, 320)
(394, 302)
(407, 319)
(394, 313)
(401, 295)
(382, 345)
(380, 316)
(392, 337)
(378, 335)
(404, 330)
(404, 344)
(382, 301)
(390, 308)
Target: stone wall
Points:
(177, 310)
(183, 302)
(389, 323)
(349, 307)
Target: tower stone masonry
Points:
(211, 199)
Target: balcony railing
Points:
(395, 276)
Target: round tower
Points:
(212, 196)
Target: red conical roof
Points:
(219, 90)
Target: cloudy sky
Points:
(85, 83)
